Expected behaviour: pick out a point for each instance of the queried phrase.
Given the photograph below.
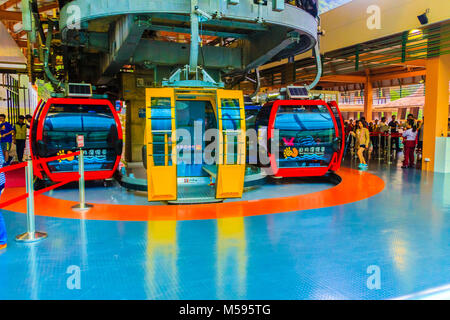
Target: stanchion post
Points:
(379, 145)
(82, 206)
(31, 235)
(385, 145)
(352, 148)
(389, 148)
(397, 146)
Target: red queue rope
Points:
(13, 167)
(393, 135)
(376, 134)
(39, 192)
(43, 160)
(56, 186)
(12, 201)
(36, 193)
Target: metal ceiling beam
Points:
(155, 53)
(218, 23)
(123, 41)
(203, 33)
(261, 49)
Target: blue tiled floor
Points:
(314, 254)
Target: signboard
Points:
(80, 141)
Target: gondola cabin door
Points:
(231, 166)
(161, 144)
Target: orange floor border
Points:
(355, 186)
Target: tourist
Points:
(20, 137)
(364, 122)
(6, 137)
(410, 136)
(376, 124)
(362, 137)
(411, 118)
(419, 149)
(420, 135)
(394, 129)
(383, 128)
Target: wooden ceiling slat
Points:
(8, 4)
(10, 15)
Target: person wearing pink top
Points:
(410, 140)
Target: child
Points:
(2, 222)
(410, 137)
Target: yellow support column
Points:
(436, 108)
(368, 99)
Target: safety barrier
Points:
(32, 235)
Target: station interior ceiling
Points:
(398, 54)
(397, 59)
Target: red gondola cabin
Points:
(54, 130)
(310, 136)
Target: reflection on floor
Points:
(314, 254)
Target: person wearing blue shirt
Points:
(6, 137)
(2, 222)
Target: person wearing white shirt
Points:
(410, 139)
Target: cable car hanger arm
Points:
(319, 67)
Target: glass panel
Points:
(161, 117)
(232, 147)
(96, 122)
(306, 136)
(231, 114)
(231, 120)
